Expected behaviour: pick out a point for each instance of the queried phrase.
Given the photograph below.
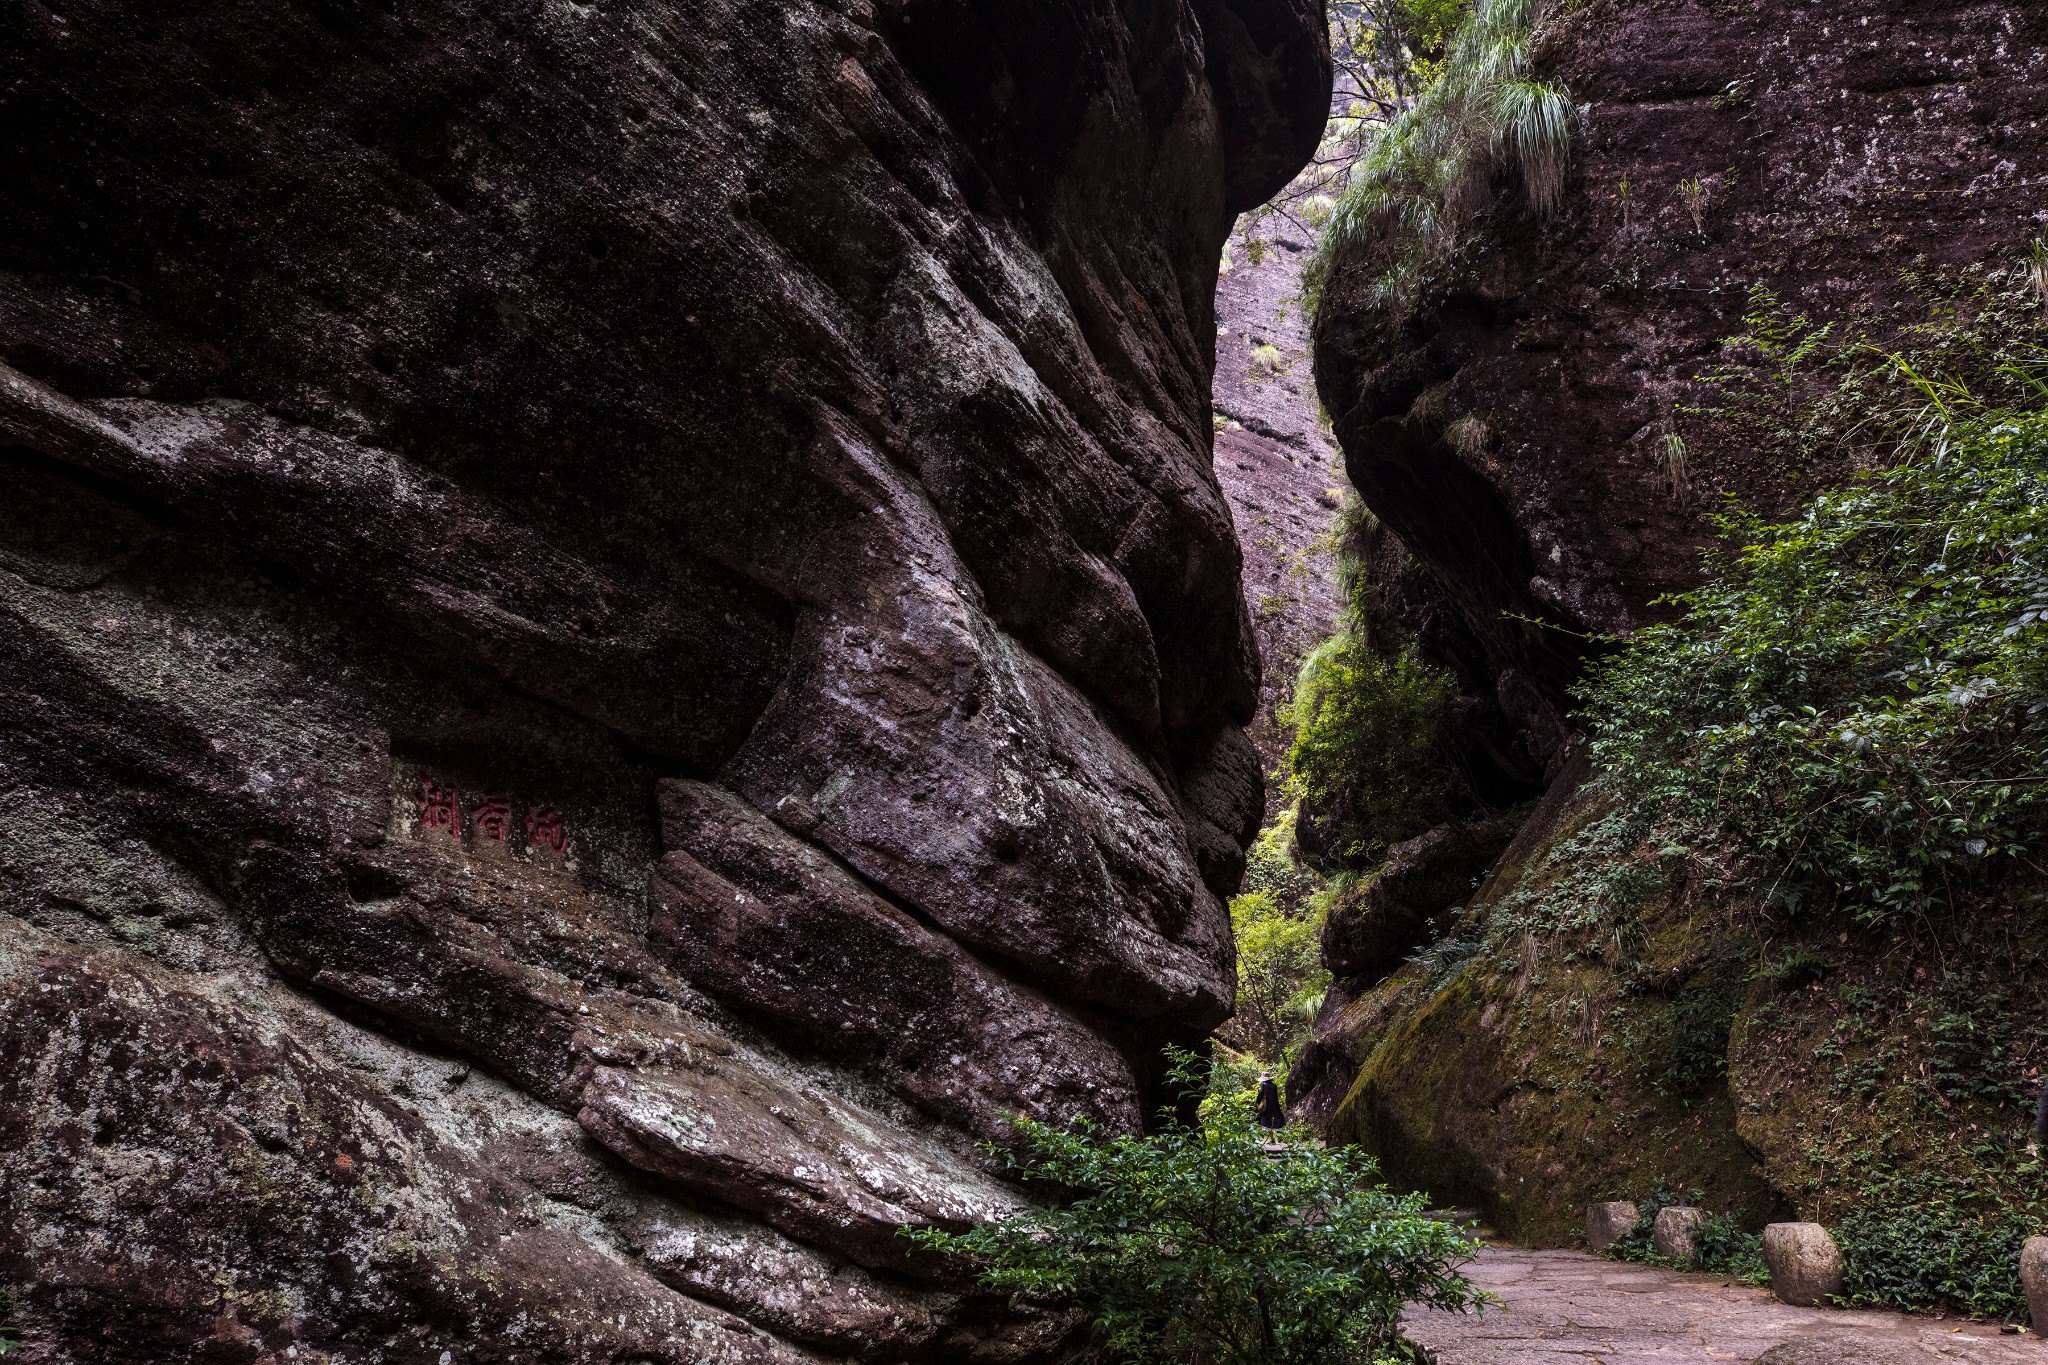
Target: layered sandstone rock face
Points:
(1511, 428)
(619, 636)
(1278, 465)
(1858, 164)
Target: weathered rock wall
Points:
(1632, 1021)
(1859, 160)
(1277, 464)
(1510, 428)
(619, 632)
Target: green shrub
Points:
(1970, 1034)
(1277, 922)
(1234, 1074)
(1720, 1246)
(1195, 1243)
(1802, 392)
(1367, 755)
(1270, 866)
(1929, 1256)
(1280, 974)
(1859, 697)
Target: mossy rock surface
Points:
(1657, 1030)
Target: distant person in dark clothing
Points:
(2040, 1136)
(1266, 1109)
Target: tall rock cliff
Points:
(1278, 465)
(618, 635)
(1532, 425)
(1510, 427)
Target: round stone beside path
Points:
(1565, 1307)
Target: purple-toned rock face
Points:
(1511, 429)
(620, 636)
(1536, 428)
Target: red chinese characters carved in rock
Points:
(544, 829)
(489, 817)
(493, 817)
(440, 808)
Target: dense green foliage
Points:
(1720, 1246)
(1851, 715)
(1366, 752)
(1482, 116)
(1946, 1067)
(1195, 1242)
(1928, 1254)
(1804, 392)
(1859, 697)
(1277, 921)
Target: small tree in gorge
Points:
(1194, 1243)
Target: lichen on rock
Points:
(438, 433)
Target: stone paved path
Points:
(1564, 1308)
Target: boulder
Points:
(1673, 1233)
(1806, 1265)
(630, 636)
(2034, 1277)
(1368, 933)
(1609, 1221)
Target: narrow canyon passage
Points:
(647, 644)
(1636, 870)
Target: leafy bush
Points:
(1280, 974)
(1271, 867)
(1858, 697)
(1277, 922)
(1971, 1030)
(1367, 755)
(1194, 1243)
(1720, 1246)
(1927, 1256)
(1234, 1074)
(1799, 391)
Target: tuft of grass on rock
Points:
(1484, 119)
